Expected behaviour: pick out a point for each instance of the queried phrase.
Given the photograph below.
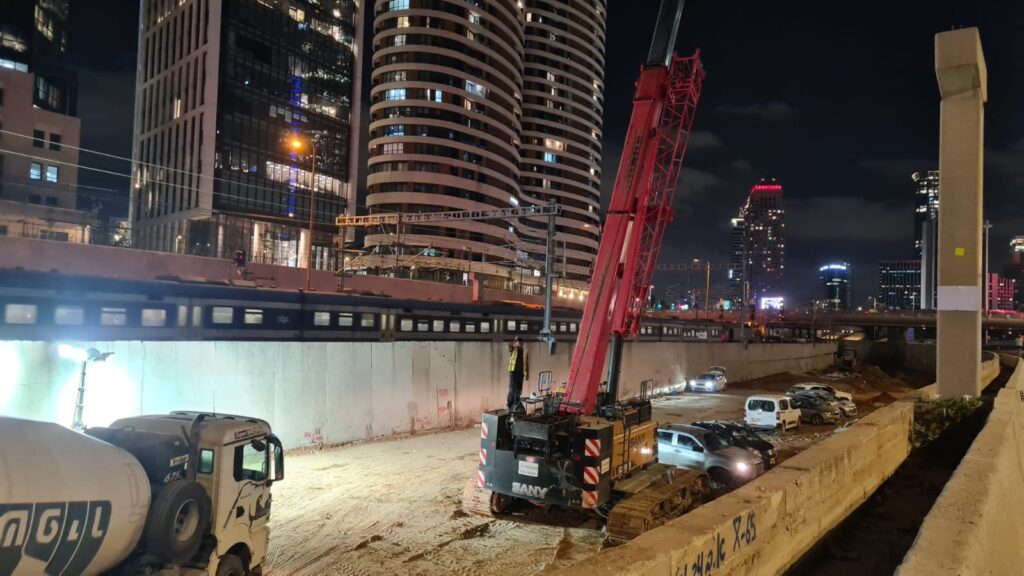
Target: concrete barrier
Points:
(974, 526)
(332, 392)
(765, 526)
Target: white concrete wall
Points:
(974, 526)
(335, 392)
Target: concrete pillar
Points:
(963, 84)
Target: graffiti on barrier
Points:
(708, 560)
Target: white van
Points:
(771, 412)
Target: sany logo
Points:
(528, 490)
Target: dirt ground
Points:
(393, 507)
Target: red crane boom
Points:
(640, 208)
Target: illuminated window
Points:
(405, 325)
(553, 144)
(345, 319)
(438, 95)
(403, 22)
(69, 315)
(438, 326)
(510, 325)
(35, 171)
(398, 40)
(253, 316)
(475, 88)
(550, 158)
(395, 94)
(367, 321)
(474, 18)
(113, 316)
(223, 314)
(321, 318)
(52, 173)
(455, 326)
(20, 313)
(485, 326)
(154, 317)
(398, 5)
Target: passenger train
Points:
(54, 306)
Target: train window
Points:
(485, 326)
(321, 318)
(572, 327)
(405, 325)
(368, 320)
(223, 314)
(197, 316)
(438, 325)
(510, 326)
(470, 327)
(253, 316)
(422, 326)
(455, 326)
(20, 313)
(154, 317)
(344, 319)
(524, 327)
(69, 315)
(182, 316)
(562, 327)
(110, 316)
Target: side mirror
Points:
(277, 458)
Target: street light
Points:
(83, 356)
(297, 144)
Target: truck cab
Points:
(236, 461)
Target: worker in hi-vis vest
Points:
(518, 370)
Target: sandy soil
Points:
(393, 507)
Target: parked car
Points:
(739, 434)
(699, 449)
(710, 381)
(771, 412)
(826, 392)
(816, 410)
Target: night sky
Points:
(837, 100)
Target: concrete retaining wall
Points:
(765, 526)
(335, 392)
(974, 527)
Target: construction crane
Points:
(588, 449)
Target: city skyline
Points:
(755, 118)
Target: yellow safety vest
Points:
(526, 362)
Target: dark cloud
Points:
(741, 165)
(702, 139)
(842, 218)
(895, 168)
(771, 111)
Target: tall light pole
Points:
(986, 300)
(297, 145)
(83, 356)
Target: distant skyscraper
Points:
(926, 200)
(737, 237)
(836, 286)
(926, 234)
(899, 284)
(483, 105)
(1017, 250)
(764, 229)
(221, 86)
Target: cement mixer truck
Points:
(184, 493)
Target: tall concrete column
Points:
(963, 84)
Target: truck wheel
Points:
(817, 420)
(177, 521)
(230, 565)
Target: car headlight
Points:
(742, 466)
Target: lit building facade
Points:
(34, 39)
(926, 206)
(765, 231)
(39, 164)
(563, 106)
(836, 286)
(222, 85)
(1000, 293)
(483, 105)
(737, 238)
(899, 284)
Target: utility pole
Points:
(707, 290)
(987, 299)
(549, 260)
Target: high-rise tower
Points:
(765, 230)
